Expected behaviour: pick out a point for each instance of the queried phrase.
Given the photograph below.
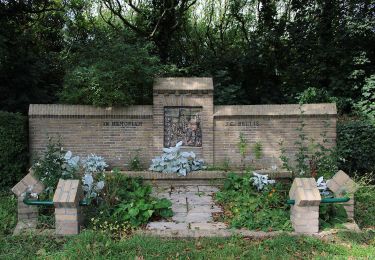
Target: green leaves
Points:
(356, 148)
(245, 207)
(111, 71)
(129, 200)
(13, 148)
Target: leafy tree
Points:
(111, 70)
(30, 43)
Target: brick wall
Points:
(268, 124)
(115, 134)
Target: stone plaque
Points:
(182, 124)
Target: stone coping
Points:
(181, 83)
(85, 110)
(201, 175)
(275, 110)
(146, 110)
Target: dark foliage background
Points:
(13, 148)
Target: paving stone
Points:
(208, 188)
(179, 217)
(200, 200)
(208, 226)
(179, 208)
(204, 208)
(198, 217)
(189, 188)
(166, 225)
(178, 198)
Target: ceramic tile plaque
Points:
(182, 124)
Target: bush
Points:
(8, 218)
(356, 146)
(13, 148)
(110, 72)
(127, 203)
(245, 206)
(364, 209)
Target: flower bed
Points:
(245, 206)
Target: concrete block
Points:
(28, 183)
(68, 194)
(305, 192)
(341, 183)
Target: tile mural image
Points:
(182, 124)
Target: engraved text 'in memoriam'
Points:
(122, 123)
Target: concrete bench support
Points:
(67, 210)
(342, 185)
(27, 215)
(305, 212)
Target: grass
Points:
(96, 245)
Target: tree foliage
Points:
(107, 52)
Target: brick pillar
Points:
(27, 215)
(67, 210)
(342, 185)
(304, 213)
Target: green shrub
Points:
(13, 148)
(356, 146)
(8, 216)
(135, 163)
(364, 208)
(49, 169)
(244, 206)
(127, 203)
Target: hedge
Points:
(356, 146)
(13, 148)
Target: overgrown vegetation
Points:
(127, 203)
(56, 164)
(135, 162)
(245, 206)
(263, 207)
(13, 148)
(8, 213)
(312, 158)
(356, 146)
(364, 212)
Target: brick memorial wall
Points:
(182, 109)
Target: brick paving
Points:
(192, 206)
